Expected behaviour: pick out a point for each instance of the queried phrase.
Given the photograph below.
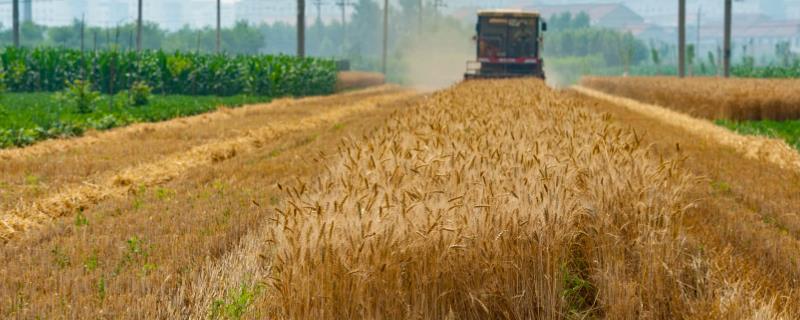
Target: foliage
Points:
(787, 130)
(30, 117)
(573, 48)
(139, 94)
(615, 47)
(81, 95)
(771, 71)
(568, 70)
(566, 21)
(235, 305)
(110, 71)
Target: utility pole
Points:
(699, 16)
(343, 5)
(219, 26)
(301, 28)
(139, 28)
(385, 35)
(697, 46)
(83, 31)
(15, 21)
(681, 38)
(318, 5)
(436, 5)
(726, 60)
(419, 18)
(319, 24)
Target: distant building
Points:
(649, 32)
(755, 35)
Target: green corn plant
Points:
(82, 96)
(186, 73)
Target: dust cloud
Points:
(437, 58)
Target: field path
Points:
(748, 213)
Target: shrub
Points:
(80, 94)
(139, 94)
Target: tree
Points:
(582, 20)
(364, 29)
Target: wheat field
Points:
(709, 98)
(497, 199)
(492, 200)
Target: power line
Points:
(318, 5)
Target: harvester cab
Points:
(509, 44)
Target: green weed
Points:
(788, 130)
(274, 200)
(577, 292)
(721, 187)
(101, 288)
(164, 193)
(81, 220)
(147, 268)
(32, 180)
(60, 258)
(91, 263)
(235, 305)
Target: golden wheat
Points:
(26, 216)
(492, 199)
(710, 98)
(351, 80)
(770, 150)
(489, 200)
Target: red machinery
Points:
(509, 44)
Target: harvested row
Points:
(351, 80)
(770, 150)
(73, 191)
(126, 256)
(45, 168)
(709, 98)
(494, 199)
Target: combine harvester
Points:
(509, 45)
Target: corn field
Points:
(111, 71)
(710, 98)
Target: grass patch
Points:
(26, 118)
(235, 305)
(788, 130)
